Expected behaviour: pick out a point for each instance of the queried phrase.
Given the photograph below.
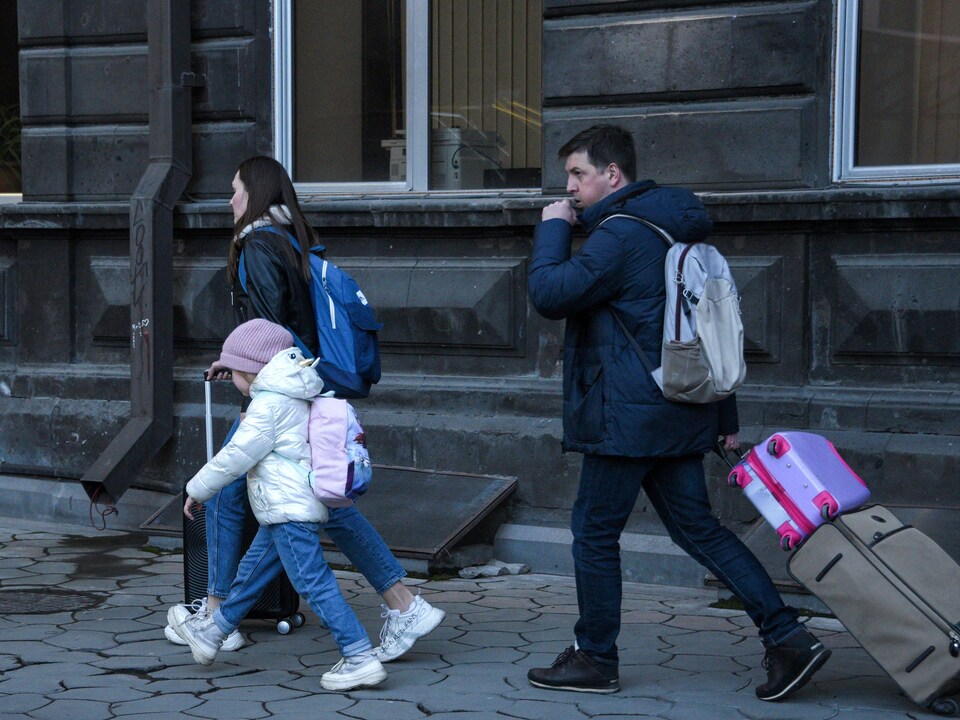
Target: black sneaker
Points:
(575, 670)
(789, 667)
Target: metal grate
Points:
(45, 601)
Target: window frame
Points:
(845, 119)
(417, 106)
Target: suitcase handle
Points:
(720, 450)
(208, 415)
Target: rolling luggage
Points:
(798, 481)
(280, 602)
(897, 592)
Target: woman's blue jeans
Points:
(609, 487)
(294, 547)
(347, 527)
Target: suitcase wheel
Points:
(790, 539)
(284, 626)
(733, 479)
(825, 511)
(298, 620)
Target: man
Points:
(615, 414)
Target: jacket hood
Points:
(285, 375)
(676, 210)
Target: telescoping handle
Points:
(722, 452)
(208, 415)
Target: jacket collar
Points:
(613, 203)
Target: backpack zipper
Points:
(326, 289)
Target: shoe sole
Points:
(229, 645)
(816, 662)
(200, 653)
(425, 629)
(373, 678)
(606, 690)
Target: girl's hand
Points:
(189, 505)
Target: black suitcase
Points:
(280, 602)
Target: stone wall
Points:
(849, 303)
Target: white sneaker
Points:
(201, 633)
(180, 612)
(356, 671)
(401, 630)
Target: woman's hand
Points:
(218, 371)
(189, 505)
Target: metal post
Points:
(151, 255)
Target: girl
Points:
(264, 365)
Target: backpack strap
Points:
(633, 341)
(682, 296)
(664, 235)
(242, 276)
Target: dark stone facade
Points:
(851, 317)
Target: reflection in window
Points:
(351, 92)
(485, 94)
(908, 94)
(348, 88)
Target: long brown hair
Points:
(267, 183)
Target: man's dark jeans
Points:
(609, 487)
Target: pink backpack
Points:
(338, 453)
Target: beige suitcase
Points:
(897, 592)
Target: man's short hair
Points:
(604, 144)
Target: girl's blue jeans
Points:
(347, 527)
(294, 547)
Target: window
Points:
(9, 101)
(898, 116)
(400, 95)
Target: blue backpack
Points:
(349, 360)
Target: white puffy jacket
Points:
(275, 425)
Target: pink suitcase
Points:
(798, 481)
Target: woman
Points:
(277, 289)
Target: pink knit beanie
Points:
(253, 344)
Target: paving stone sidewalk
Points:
(81, 638)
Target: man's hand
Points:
(189, 505)
(561, 210)
(731, 442)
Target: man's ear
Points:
(614, 175)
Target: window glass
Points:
(485, 93)
(9, 100)
(908, 94)
(353, 102)
(348, 90)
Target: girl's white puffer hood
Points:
(284, 374)
(270, 446)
